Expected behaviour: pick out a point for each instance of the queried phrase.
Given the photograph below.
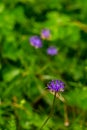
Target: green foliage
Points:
(25, 71)
(12, 124)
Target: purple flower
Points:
(45, 34)
(52, 50)
(56, 86)
(35, 41)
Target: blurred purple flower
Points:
(45, 34)
(52, 50)
(56, 86)
(35, 41)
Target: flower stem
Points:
(50, 114)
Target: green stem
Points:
(50, 114)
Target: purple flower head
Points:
(52, 51)
(35, 41)
(45, 34)
(56, 86)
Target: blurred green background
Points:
(25, 71)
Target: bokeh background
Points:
(25, 71)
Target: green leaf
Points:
(10, 73)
